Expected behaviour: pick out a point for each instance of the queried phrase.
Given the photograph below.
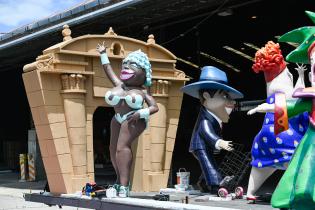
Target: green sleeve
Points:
(298, 106)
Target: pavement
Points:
(11, 197)
(12, 190)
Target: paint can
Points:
(183, 178)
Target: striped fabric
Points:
(208, 167)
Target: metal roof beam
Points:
(71, 22)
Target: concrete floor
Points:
(11, 196)
(236, 204)
(203, 200)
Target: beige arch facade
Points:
(64, 87)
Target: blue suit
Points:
(206, 133)
(207, 130)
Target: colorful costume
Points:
(270, 150)
(296, 189)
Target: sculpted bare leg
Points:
(114, 134)
(257, 177)
(128, 133)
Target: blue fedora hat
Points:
(211, 78)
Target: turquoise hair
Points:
(142, 60)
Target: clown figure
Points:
(269, 151)
(296, 187)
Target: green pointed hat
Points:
(305, 36)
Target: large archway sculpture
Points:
(64, 87)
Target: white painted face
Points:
(282, 83)
(220, 104)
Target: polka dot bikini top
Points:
(138, 104)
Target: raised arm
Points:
(283, 109)
(293, 106)
(262, 108)
(298, 106)
(106, 65)
(300, 81)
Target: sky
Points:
(16, 13)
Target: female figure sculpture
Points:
(127, 97)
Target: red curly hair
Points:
(269, 60)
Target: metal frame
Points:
(114, 203)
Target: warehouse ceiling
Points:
(130, 18)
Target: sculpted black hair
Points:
(211, 92)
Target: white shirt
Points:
(215, 117)
(220, 123)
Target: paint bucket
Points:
(183, 178)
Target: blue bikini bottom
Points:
(122, 118)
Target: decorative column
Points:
(158, 126)
(73, 91)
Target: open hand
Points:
(300, 68)
(263, 108)
(101, 48)
(133, 117)
(226, 145)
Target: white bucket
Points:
(183, 178)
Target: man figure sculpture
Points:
(217, 99)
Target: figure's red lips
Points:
(126, 74)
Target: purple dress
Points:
(269, 150)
